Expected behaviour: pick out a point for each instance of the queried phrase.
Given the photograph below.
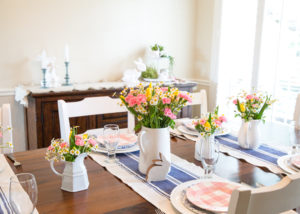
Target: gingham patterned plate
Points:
(295, 160)
(211, 195)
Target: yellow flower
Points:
(149, 93)
(207, 125)
(242, 107)
(85, 136)
(139, 118)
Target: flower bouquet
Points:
(154, 107)
(252, 106)
(210, 124)
(79, 144)
(74, 176)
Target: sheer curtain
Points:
(260, 47)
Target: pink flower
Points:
(234, 101)
(92, 142)
(223, 119)
(249, 97)
(168, 113)
(164, 89)
(141, 98)
(185, 96)
(50, 148)
(64, 144)
(79, 141)
(166, 100)
(218, 122)
(202, 121)
(256, 98)
(0, 134)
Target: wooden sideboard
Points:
(42, 114)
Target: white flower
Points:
(72, 152)
(77, 152)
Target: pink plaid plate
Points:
(295, 160)
(211, 195)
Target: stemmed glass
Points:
(209, 153)
(23, 193)
(111, 140)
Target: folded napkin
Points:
(4, 204)
(297, 113)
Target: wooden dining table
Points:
(108, 194)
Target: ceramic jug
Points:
(248, 136)
(152, 142)
(74, 177)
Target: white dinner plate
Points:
(185, 130)
(156, 80)
(284, 163)
(177, 195)
(119, 151)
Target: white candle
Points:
(44, 60)
(67, 57)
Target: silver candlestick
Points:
(44, 82)
(67, 78)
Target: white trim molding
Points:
(7, 92)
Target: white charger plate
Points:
(283, 164)
(119, 151)
(185, 130)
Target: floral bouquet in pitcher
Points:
(210, 124)
(154, 107)
(251, 106)
(78, 144)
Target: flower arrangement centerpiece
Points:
(250, 107)
(210, 123)
(72, 153)
(78, 144)
(155, 107)
(3, 130)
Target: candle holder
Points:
(44, 82)
(67, 78)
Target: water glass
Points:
(111, 136)
(209, 153)
(23, 193)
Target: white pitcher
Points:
(248, 136)
(74, 177)
(152, 142)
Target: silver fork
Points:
(158, 211)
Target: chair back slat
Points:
(200, 98)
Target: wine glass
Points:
(111, 141)
(209, 153)
(23, 193)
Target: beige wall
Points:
(104, 36)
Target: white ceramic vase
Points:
(248, 136)
(152, 142)
(74, 177)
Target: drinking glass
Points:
(209, 153)
(23, 193)
(111, 140)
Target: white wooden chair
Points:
(297, 113)
(5, 121)
(200, 98)
(279, 198)
(86, 107)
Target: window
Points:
(260, 47)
